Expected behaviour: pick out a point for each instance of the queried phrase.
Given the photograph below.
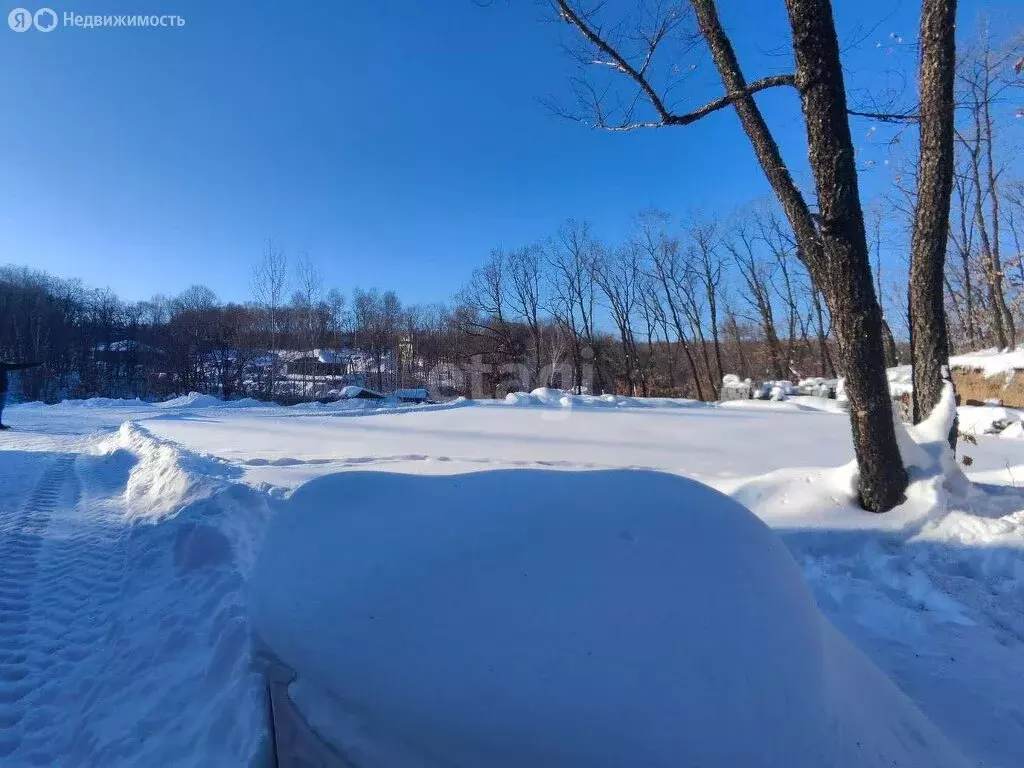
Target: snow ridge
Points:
(166, 477)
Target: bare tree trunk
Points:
(828, 369)
(892, 358)
(993, 194)
(963, 246)
(848, 289)
(993, 274)
(929, 340)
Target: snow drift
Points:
(518, 617)
(548, 397)
(164, 477)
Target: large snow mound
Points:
(199, 400)
(520, 617)
(164, 477)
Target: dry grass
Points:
(972, 385)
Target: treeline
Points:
(666, 312)
(656, 315)
(984, 276)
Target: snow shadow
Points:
(943, 618)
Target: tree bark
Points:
(892, 359)
(929, 339)
(827, 368)
(846, 270)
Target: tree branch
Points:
(616, 60)
(886, 117)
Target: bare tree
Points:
(982, 78)
(667, 269)
(758, 274)
(269, 283)
(525, 289)
(929, 340)
(619, 276)
(709, 274)
(309, 283)
(572, 292)
(834, 249)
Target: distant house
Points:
(320, 362)
(360, 393)
(413, 395)
(126, 352)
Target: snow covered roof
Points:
(350, 392)
(412, 394)
(332, 356)
(991, 362)
(125, 345)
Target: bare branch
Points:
(611, 57)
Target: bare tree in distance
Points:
(269, 283)
(526, 295)
(668, 271)
(705, 237)
(309, 285)
(984, 81)
(619, 275)
(572, 293)
(758, 274)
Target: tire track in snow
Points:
(75, 618)
(21, 665)
(68, 616)
(369, 461)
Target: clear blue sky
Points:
(397, 141)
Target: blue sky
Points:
(397, 142)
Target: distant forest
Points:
(667, 313)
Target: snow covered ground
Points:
(130, 534)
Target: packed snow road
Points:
(129, 533)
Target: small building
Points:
(413, 396)
(360, 393)
(319, 362)
(126, 352)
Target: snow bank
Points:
(165, 477)
(777, 390)
(900, 377)
(979, 419)
(566, 619)
(817, 386)
(548, 397)
(1014, 431)
(991, 362)
(134, 647)
(901, 380)
(199, 400)
(104, 402)
(735, 388)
